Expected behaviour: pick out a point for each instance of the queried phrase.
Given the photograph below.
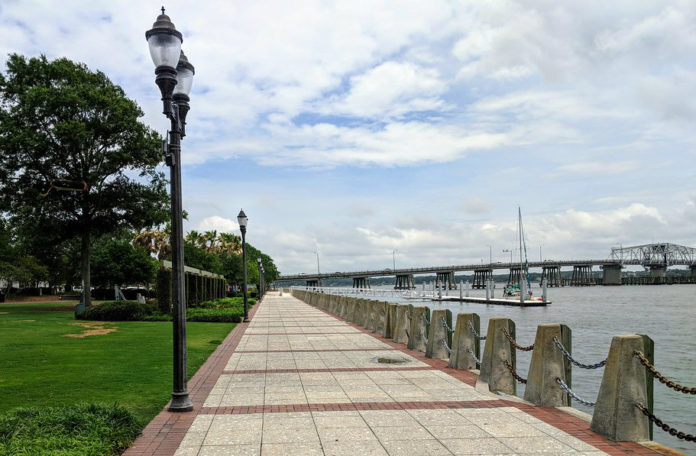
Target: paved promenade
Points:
(298, 381)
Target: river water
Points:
(666, 313)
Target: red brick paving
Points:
(162, 436)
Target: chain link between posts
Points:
(514, 373)
(473, 355)
(447, 347)
(515, 344)
(572, 394)
(667, 382)
(446, 326)
(572, 360)
(666, 427)
(473, 331)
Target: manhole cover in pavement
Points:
(386, 360)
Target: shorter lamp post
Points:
(262, 282)
(242, 219)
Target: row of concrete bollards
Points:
(625, 387)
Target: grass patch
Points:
(131, 366)
(84, 429)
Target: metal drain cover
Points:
(387, 360)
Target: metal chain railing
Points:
(572, 360)
(473, 355)
(666, 427)
(515, 344)
(446, 326)
(446, 345)
(476, 334)
(667, 382)
(572, 394)
(514, 373)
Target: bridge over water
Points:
(654, 257)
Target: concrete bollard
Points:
(379, 317)
(438, 335)
(625, 383)
(494, 374)
(371, 315)
(418, 332)
(547, 364)
(353, 309)
(403, 324)
(488, 291)
(366, 313)
(390, 323)
(464, 340)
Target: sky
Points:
(409, 132)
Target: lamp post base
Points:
(180, 403)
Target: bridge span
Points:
(654, 257)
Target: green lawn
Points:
(39, 366)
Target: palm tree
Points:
(154, 242)
(229, 243)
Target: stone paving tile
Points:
(429, 447)
(476, 446)
(362, 448)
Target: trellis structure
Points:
(200, 285)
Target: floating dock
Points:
(496, 301)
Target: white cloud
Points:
(600, 167)
(220, 224)
(434, 102)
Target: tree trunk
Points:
(86, 278)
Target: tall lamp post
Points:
(242, 219)
(394, 259)
(262, 279)
(174, 75)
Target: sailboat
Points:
(524, 288)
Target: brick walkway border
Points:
(165, 432)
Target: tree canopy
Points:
(75, 161)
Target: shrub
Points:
(214, 315)
(86, 429)
(118, 311)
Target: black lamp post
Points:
(174, 75)
(242, 219)
(262, 282)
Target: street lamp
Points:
(394, 259)
(242, 219)
(490, 254)
(262, 281)
(174, 75)
(510, 251)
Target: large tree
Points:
(74, 158)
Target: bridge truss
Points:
(655, 255)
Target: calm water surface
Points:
(595, 314)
